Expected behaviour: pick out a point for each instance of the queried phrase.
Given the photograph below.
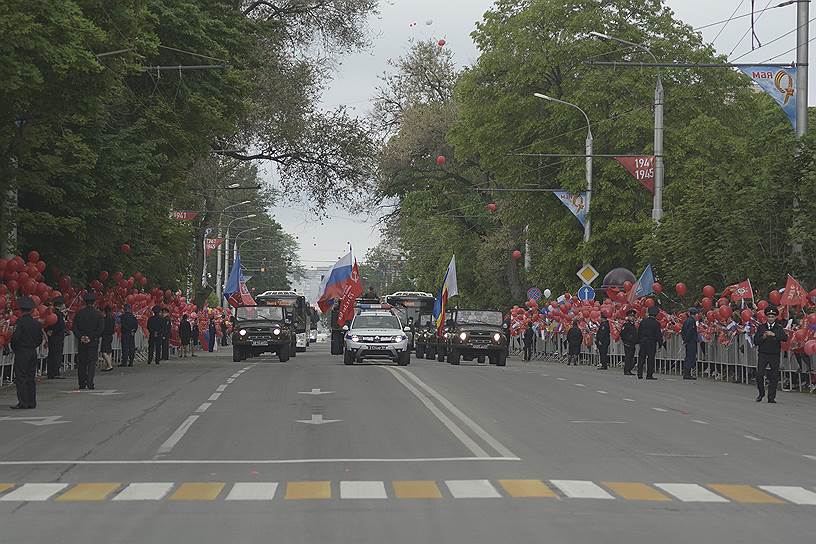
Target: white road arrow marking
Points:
(317, 419)
(315, 392)
(99, 393)
(36, 420)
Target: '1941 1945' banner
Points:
(641, 168)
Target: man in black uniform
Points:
(56, 341)
(602, 341)
(768, 340)
(27, 337)
(649, 337)
(129, 327)
(689, 335)
(529, 336)
(574, 339)
(88, 327)
(629, 337)
(165, 334)
(154, 331)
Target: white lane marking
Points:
(475, 427)
(252, 461)
(144, 491)
(811, 457)
(203, 407)
(472, 489)
(701, 422)
(34, 492)
(594, 421)
(545, 375)
(561, 379)
(794, 494)
(252, 491)
(446, 421)
(177, 435)
(236, 375)
(221, 387)
(362, 490)
(752, 437)
(315, 392)
(690, 455)
(691, 493)
(660, 409)
(581, 489)
(214, 396)
(601, 392)
(317, 419)
(580, 385)
(629, 400)
(230, 380)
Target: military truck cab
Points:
(476, 334)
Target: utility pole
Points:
(802, 39)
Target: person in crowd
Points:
(129, 325)
(211, 334)
(574, 339)
(768, 340)
(649, 338)
(26, 338)
(106, 349)
(689, 336)
(165, 334)
(194, 338)
(602, 341)
(224, 332)
(56, 340)
(629, 338)
(154, 331)
(88, 327)
(185, 332)
(528, 336)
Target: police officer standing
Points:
(629, 337)
(689, 335)
(528, 337)
(602, 341)
(56, 341)
(129, 327)
(88, 327)
(165, 335)
(27, 337)
(649, 337)
(768, 340)
(154, 328)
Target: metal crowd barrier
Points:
(733, 363)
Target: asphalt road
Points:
(210, 451)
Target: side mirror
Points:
(504, 326)
(407, 329)
(287, 321)
(345, 327)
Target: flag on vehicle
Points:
(449, 289)
(794, 294)
(742, 290)
(236, 291)
(643, 287)
(333, 284)
(351, 292)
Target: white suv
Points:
(376, 334)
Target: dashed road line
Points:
(602, 392)
(630, 400)
(752, 437)
(221, 387)
(214, 396)
(659, 409)
(177, 435)
(203, 407)
(701, 422)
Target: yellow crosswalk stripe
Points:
(416, 489)
(527, 488)
(197, 491)
(633, 491)
(89, 492)
(5, 487)
(308, 490)
(745, 493)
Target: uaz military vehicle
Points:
(262, 329)
(476, 334)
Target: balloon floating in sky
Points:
(429, 22)
(441, 43)
(441, 160)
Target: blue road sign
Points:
(586, 293)
(534, 293)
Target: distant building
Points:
(309, 284)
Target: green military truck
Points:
(262, 329)
(476, 334)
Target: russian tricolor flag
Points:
(333, 284)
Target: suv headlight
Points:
(355, 338)
(242, 332)
(399, 338)
(497, 337)
(463, 336)
(276, 332)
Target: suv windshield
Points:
(270, 313)
(478, 317)
(376, 322)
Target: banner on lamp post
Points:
(181, 215)
(641, 168)
(575, 203)
(779, 84)
(211, 243)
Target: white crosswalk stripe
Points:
(144, 491)
(691, 493)
(362, 490)
(34, 492)
(581, 489)
(794, 494)
(471, 489)
(252, 491)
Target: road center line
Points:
(221, 387)
(660, 409)
(811, 457)
(752, 437)
(602, 392)
(203, 407)
(604, 422)
(214, 396)
(629, 400)
(700, 422)
(171, 442)
(252, 461)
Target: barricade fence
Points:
(734, 363)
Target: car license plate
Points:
(259, 342)
(479, 347)
(376, 347)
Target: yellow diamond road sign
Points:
(588, 274)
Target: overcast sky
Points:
(401, 20)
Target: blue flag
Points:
(235, 278)
(643, 287)
(779, 84)
(575, 203)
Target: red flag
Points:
(794, 295)
(352, 289)
(211, 244)
(241, 297)
(183, 215)
(742, 290)
(641, 168)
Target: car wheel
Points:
(440, 356)
(480, 360)
(236, 354)
(293, 351)
(430, 353)
(404, 359)
(420, 352)
(501, 359)
(453, 357)
(283, 354)
(348, 357)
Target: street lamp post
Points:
(235, 244)
(588, 220)
(657, 203)
(226, 251)
(219, 270)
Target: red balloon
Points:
(627, 285)
(492, 207)
(441, 160)
(774, 297)
(40, 266)
(762, 304)
(657, 288)
(12, 285)
(117, 276)
(168, 293)
(51, 319)
(722, 301)
(801, 334)
(516, 254)
(103, 275)
(33, 256)
(125, 248)
(746, 315)
(810, 347)
(681, 289)
(706, 303)
(441, 43)
(812, 319)
(143, 280)
(650, 302)
(725, 311)
(708, 291)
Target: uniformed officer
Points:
(56, 341)
(27, 337)
(689, 335)
(88, 327)
(129, 327)
(165, 334)
(649, 337)
(768, 340)
(629, 337)
(574, 339)
(154, 329)
(602, 341)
